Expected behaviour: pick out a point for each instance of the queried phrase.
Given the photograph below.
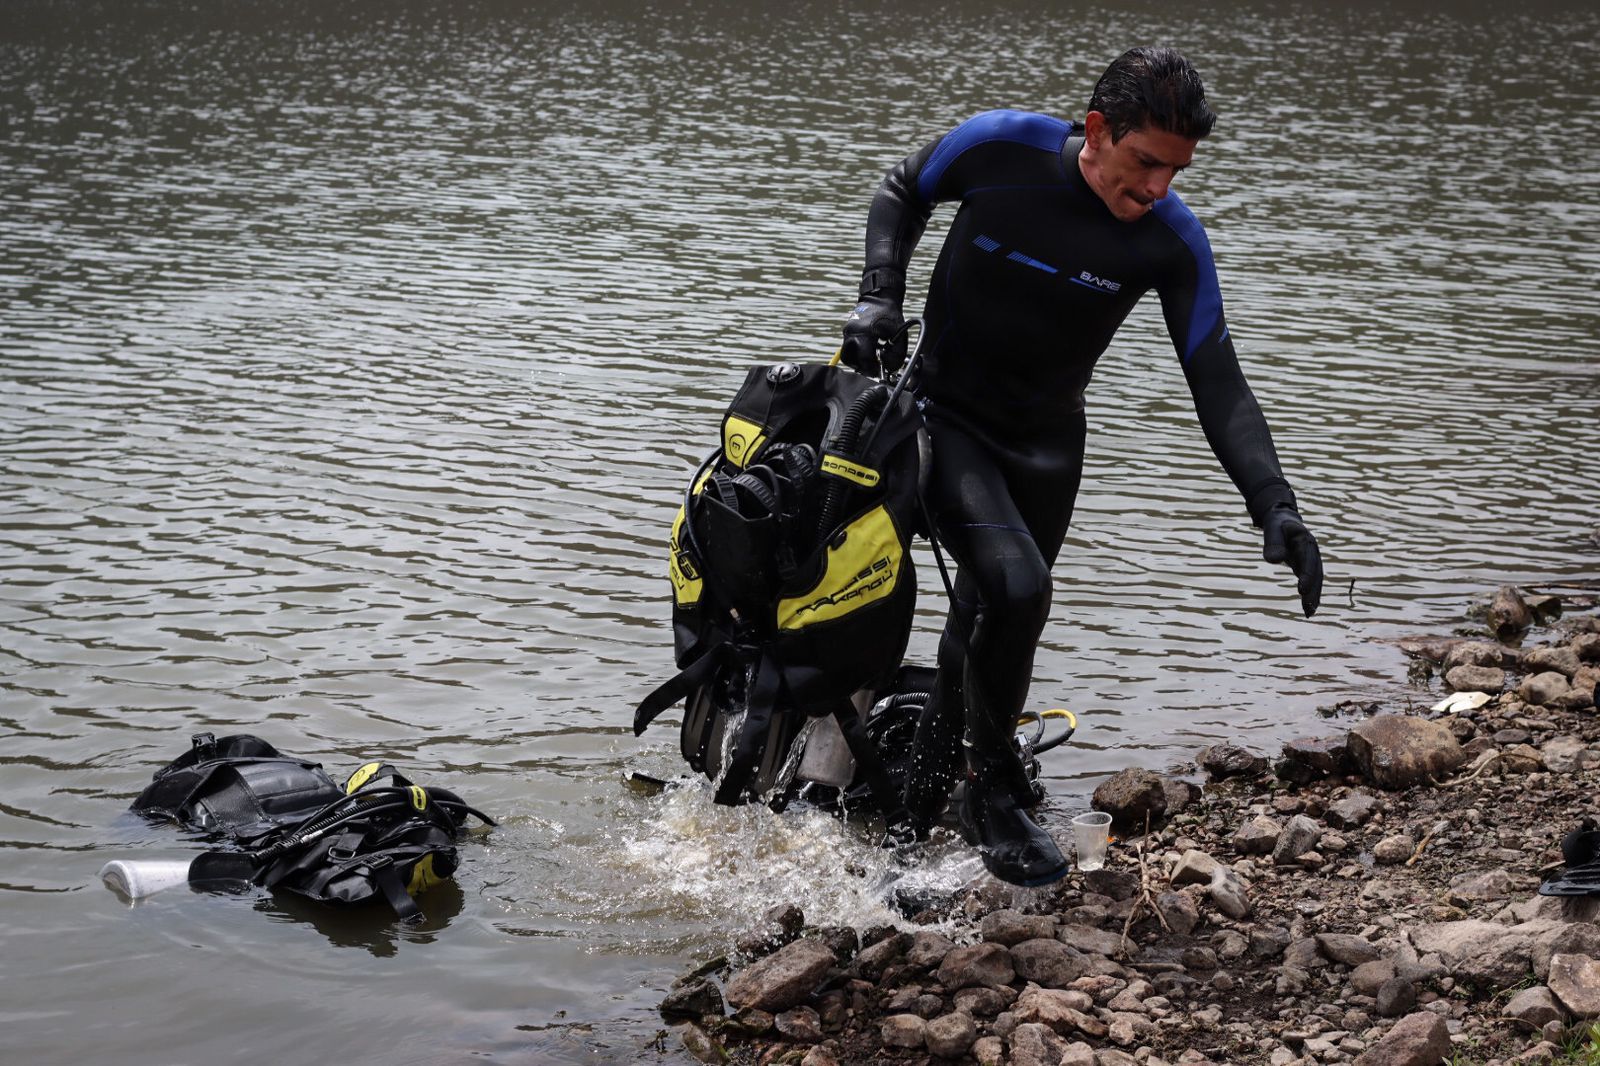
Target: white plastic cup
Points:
(138, 879)
(1090, 833)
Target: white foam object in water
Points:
(136, 880)
(1461, 701)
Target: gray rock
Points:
(1575, 981)
(1563, 754)
(1393, 850)
(873, 961)
(1546, 608)
(1490, 679)
(1347, 948)
(1129, 795)
(1012, 927)
(977, 964)
(1479, 653)
(1508, 614)
(1078, 1054)
(1297, 838)
(1179, 912)
(1493, 955)
(1229, 944)
(1324, 755)
(1063, 1010)
(1563, 661)
(1195, 868)
(1303, 954)
(701, 1046)
(1092, 941)
(1047, 962)
(1543, 689)
(1396, 751)
(1534, 1007)
(1352, 812)
(783, 979)
(1268, 941)
(1292, 981)
(693, 1000)
(950, 1036)
(1033, 1044)
(928, 949)
(1180, 794)
(1584, 685)
(979, 1002)
(1420, 1039)
(1368, 977)
(1118, 884)
(1228, 894)
(1484, 952)
(1294, 773)
(1112, 1057)
(749, 1021)
(779, 925)
(842, 940)
(1257, 836)
(1473, 887)
(1221, 761)
(1395, 997)
(819, 1056)
(800, 1024)
(903, 1030)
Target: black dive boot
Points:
(995, 818)
(994, 814)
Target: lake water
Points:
(351, 362)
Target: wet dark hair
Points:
(1153, 87)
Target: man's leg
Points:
(986, 654)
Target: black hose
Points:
(844, 443)
(688, 507)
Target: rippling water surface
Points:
(350, 365)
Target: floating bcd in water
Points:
(290, 826)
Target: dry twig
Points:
(1144, 898)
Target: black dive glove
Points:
(1286, 539)
(876, 320)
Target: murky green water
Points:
(350, 364)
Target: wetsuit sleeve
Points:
(1234, 426)
(992, 147)
(895, 223)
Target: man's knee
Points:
(1031, 600)
(1019, 605)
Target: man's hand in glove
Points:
(1286, 539)
(875, 320)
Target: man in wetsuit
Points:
(1062, 227)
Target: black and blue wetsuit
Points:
(1030, 286)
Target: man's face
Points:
(1135, 172)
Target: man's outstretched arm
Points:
(1232, 419)
(1238, 434)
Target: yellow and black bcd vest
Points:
(790, 563)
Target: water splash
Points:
(722, 866)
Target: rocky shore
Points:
(1367, 896)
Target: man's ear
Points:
(1096, 130)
